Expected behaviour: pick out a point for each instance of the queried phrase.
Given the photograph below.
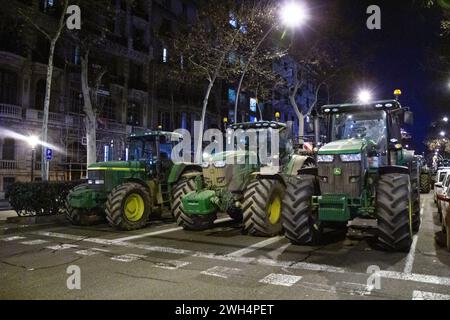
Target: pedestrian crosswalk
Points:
(277, 274)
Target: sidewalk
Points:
(4, 214)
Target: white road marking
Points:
(100, 250)
(171, 264)
(60, 235)
(34, 242)
(256, 246)
(412, 250)
(411, 255)
(87, 252)
(155, 233)
(13, 238)
(128, 257)
(300, 265)
(278, 252)
(422, 295)
(62, 246)
(278, 279)
(354, 288)
(423, 278)
(221, 272)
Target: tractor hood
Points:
(347, 146)
(118, 165)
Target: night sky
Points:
(397, 56)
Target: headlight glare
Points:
(325, 158)
(219, 164)
(351, 157)
(205, 165)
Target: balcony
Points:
(10, 111)
(9, 165)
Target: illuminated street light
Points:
(293, 14)
(445, 119)
(442, 133)
(364, 96)
(33, 141)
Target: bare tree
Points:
(52, 33)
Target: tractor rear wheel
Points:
(394, 211)
(262, 207)
(128, 206)
(185, 185)
(299, 223)
(425, 183)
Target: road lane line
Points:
(63, 246)
(278, 279)
(300, 265)
(87, 252)
(221, 272)
(13, 238)
(171, 264)
(155, 233)
(128, 257)
(423, 295)
(34, 242)
(412, 251)
(353, 288)
(423, 278)
(254, 247)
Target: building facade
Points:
(131, 97)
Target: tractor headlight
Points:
(99, 181)
(219, 164)
(351, 157)
(90, 181)
(325, 158)
(205, 165)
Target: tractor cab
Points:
(153, 149)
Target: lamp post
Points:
(293, 14)
(33, 141)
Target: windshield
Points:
(147, 148)
(368, 125)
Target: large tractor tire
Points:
(83, 217)
(394, 211)
(262, 207)
(128, 207)
(425, 183)
(185, 185)
(415, 195)
(299, 222)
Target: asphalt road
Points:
(165, 262)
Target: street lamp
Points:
(442, 133)
(293, 14)
(445, 119)
(33, 142)
(364, 96)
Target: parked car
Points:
(441, 174)
(444, 200)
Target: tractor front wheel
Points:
(300, 225)
(128, 207)
(262, 207)
(84, 217)
(186, 185)
(425, 183)
(394, 210)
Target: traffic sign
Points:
(49, 154)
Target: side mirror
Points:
(439, 185)
(408, 118)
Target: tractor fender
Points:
(138, 181)
(393, 169)
(180, 168)
(275, 176)
(298, 163)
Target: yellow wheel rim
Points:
(134, 207)
(275, 210)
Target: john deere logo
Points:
(337, 171)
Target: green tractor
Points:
(229, 182)
(425, 176)
(363, 177)
(127, 193)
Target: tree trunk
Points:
(199, 151)
(90, 119)
(48, 90)
(300, 116)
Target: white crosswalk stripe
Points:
(13, 238)
(278, 279)
(422, 295)
(171, 264)
(34, 242)
(64, 246)
(87, 252)
(221, 272)
(128, 257)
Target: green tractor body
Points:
(127, 193)
(231, 183)
(362, 172)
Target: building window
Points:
(134, 114)
(231, 95)
(9, 149)
(7, 181)
(76, 55)
(39, 97)
(164, 120)
(8, 87)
